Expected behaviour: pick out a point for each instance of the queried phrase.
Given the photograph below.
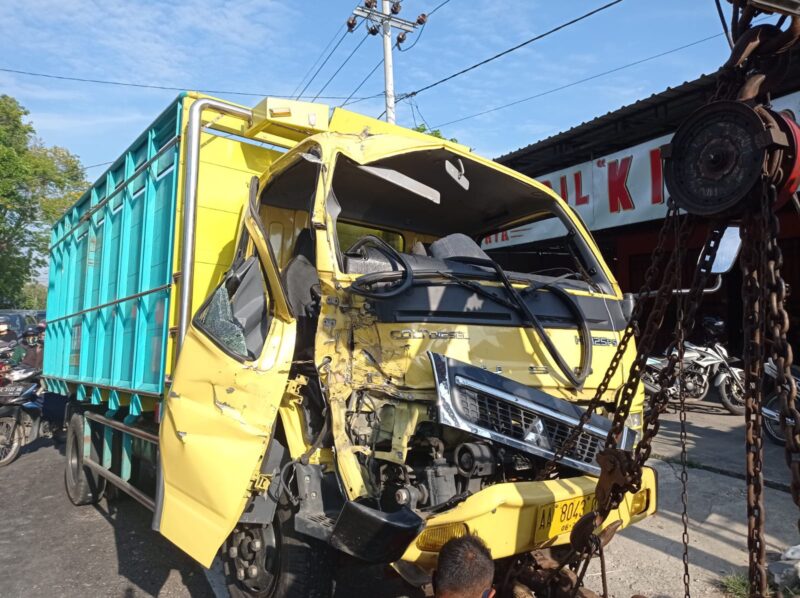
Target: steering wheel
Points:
(362, 285)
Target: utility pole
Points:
(385, 19)
(388, 65)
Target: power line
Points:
(574, 83)
(321, 54)
(512, 49)
(324, 62)
(360, 85)
(150, 86)
(421, 29)
(341, 66)
(97, 165)
(430, 14)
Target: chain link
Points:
(754, 233)
(652, 275)
(681, 339)
(781, 352)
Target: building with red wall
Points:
(610, 171)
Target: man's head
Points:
(465, 569)
(31, 336)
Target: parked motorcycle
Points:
(703, 365)
(25, 415)
(771, 409)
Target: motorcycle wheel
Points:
(731, 394)
(9, 446)
(772, 428)
(701, 385)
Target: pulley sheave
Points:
(716, 159)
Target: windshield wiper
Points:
(531, 321)
(478, 289)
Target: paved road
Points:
(50, 548)
(715, 439)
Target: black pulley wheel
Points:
(716, 159)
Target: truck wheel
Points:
(11, 440)
(84, 487)
(287, 564)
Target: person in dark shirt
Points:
(33, 351)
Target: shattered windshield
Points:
(421, 201)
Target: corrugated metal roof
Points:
(651, 117)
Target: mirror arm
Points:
(707, 291)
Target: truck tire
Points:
(290, 564)
(84, 487)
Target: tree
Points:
(37, 184)
(421, 128)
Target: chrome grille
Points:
(586, 447)
(519, 423)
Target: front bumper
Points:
(510, 517)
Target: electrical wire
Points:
(260, 94)
(512, 49)
(437, 8)
(360, 85)
(97, 165)
(321, 54)
(341, 66)
(416, 40)
(578, 82)
(421, 29)
(324, 62)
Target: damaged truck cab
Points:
(358, 370)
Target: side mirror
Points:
(728, 251)
(724, 260)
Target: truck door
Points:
(228, 384)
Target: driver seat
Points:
(301, 283)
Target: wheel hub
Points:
(254, 557)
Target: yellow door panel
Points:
(220, 412)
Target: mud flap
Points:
(375, 536)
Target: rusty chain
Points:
(652, 274)
(749, 75)
(612, 490)
(753, 296)
(781, 353)
(680, 314)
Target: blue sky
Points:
(265, 46)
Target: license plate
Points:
(560, 517)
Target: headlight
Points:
(433, 538)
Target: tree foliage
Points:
(37, 183)
(421, 128)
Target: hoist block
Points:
(721, 156)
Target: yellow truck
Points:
(280, 329)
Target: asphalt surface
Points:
(50, 548)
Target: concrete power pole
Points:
(388, 65)
(385, 19)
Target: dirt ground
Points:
(50, 548)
